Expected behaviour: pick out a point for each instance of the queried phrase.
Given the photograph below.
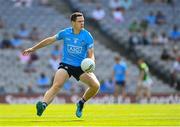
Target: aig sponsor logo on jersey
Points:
(74, 49)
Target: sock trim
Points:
(45, 104)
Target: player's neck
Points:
(76, 31)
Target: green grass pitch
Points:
(104, 115)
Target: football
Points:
(88, 65)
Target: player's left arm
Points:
(90, 46)
(91, 54)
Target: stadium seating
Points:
(119, 31)
(49, 21)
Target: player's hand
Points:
(28, 51)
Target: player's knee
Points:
(96, 86)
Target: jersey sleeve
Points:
(114, 67)
(89, 40)
(125, 66)
(60, 35)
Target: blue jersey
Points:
(120, 71)
(76, 46)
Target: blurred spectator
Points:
(118, 15)
(135, 39)
(6, 41)
(114, 4)
(134, 26)
(162, 38)
(54, 62)
(165, 55)
(16, 42)
(34, 57)
(145, 40)
(43, 81)
(34, 34)
(30, 89)
(144, 84)
(30, 67)
(119, 77)
(28, 61)
(69, 89)
(174, 73)
(23, 32)
(20, 90)
(98, 13)
(57, 52)
(126, 4)
(143, 25)
(22, 58)
(154, 38)
(175, 34)
(174, 54)
(2, 24)
(45, 2)
(107, 86)
(22, 3)
(151, 18)
(160, 18)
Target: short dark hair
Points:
(117, 58)
(75, 15)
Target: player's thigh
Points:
(117, 88)
(60, 77)
(147, 91)
(90, 79)
(140, 90)
(123, 86)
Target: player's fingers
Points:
(23, 52)
(26, 52)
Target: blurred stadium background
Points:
(135, 29)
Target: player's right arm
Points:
(41, 44)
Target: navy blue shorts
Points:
(76, 72)
(121, 83)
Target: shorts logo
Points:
(74, 49)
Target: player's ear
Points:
(73, 23)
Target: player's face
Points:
(79, 23)
(117, 59)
